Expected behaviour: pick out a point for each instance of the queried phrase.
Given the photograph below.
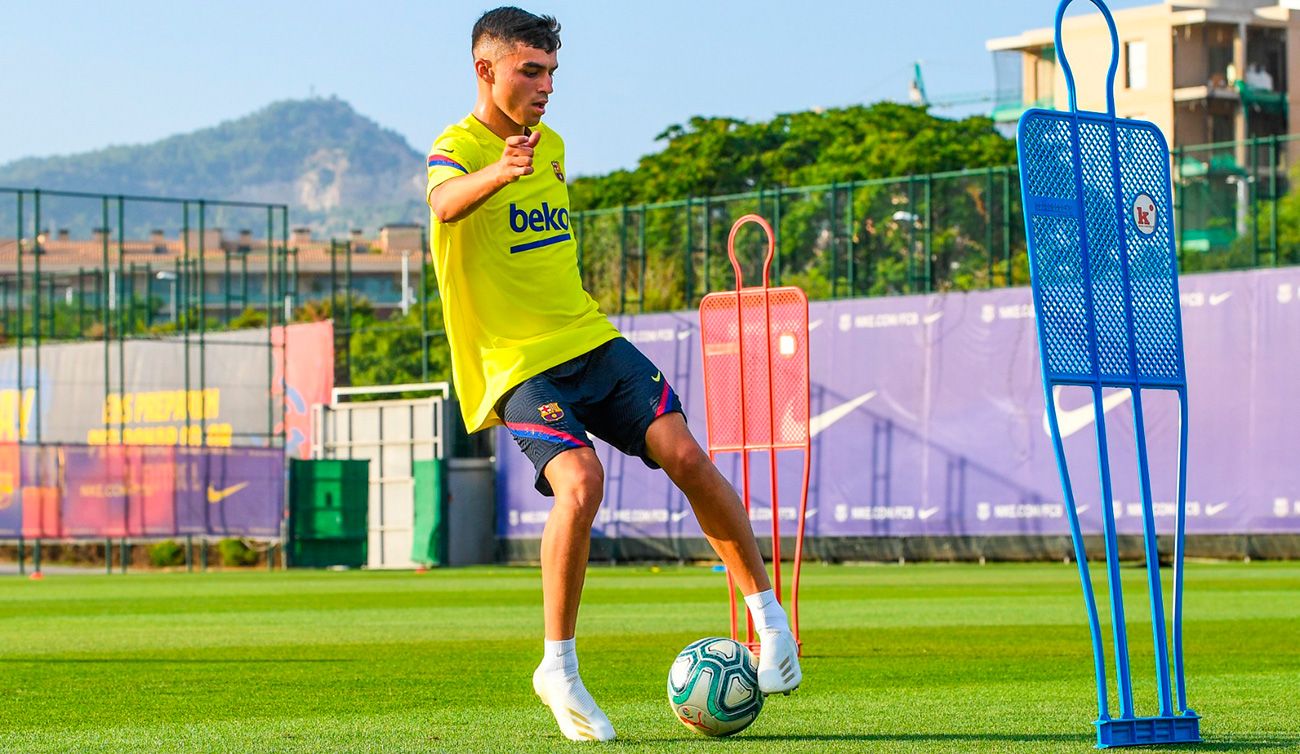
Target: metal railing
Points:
(959, 230)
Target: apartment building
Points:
(1202, 70)
(1205, 72)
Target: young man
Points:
(530, 349)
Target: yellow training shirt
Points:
(512, 300)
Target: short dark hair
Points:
(511, 26)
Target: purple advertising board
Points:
(92, 492)
(928, 420)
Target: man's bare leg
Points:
(578, 481)
(717, 506)
(722, 518)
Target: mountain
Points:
(335, 168)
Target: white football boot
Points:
(580, 718)
(778, 662)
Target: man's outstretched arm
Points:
(456, 198)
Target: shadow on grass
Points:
(1260, 742)
(155, 660)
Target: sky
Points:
(79, 76)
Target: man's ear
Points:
(483, 69)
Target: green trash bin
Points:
(328, 506)
(429, 538)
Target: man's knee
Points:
(684, 458)
(578, 481)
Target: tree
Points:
(822, 176)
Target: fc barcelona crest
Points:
(555, 165)
(551, 412)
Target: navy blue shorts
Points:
(613, 391)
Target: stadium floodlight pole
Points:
(1104, 276)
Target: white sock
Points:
(767, 613)
(560, 657)
(557, 682)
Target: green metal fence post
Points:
(1272, 195)
(834, 244)
(708, 223)
(348, 322)
(50, 331)
(226, 287)
(105, 324)
(644, 253)
(424, 308)
(988, 226)
(776, 232)
(1178, 195)
(849, 220)
(1008, 278)
(929, 234)
(271, 302)
(21, 307)
(911, 234)
(203, 331)
(121, 318)
(36, 318)
(688, 269)
(1252, 192)
(622, 245)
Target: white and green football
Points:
(713, 687)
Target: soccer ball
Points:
(713, 687)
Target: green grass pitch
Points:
(925, 658)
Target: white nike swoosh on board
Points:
(679, 515)
(816, 323)
(1219, 298)
(930, 319)
(1216, 509)
(1077, 419)
(925, 513)
(683, 334)
(809, 514)
(823, 421)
